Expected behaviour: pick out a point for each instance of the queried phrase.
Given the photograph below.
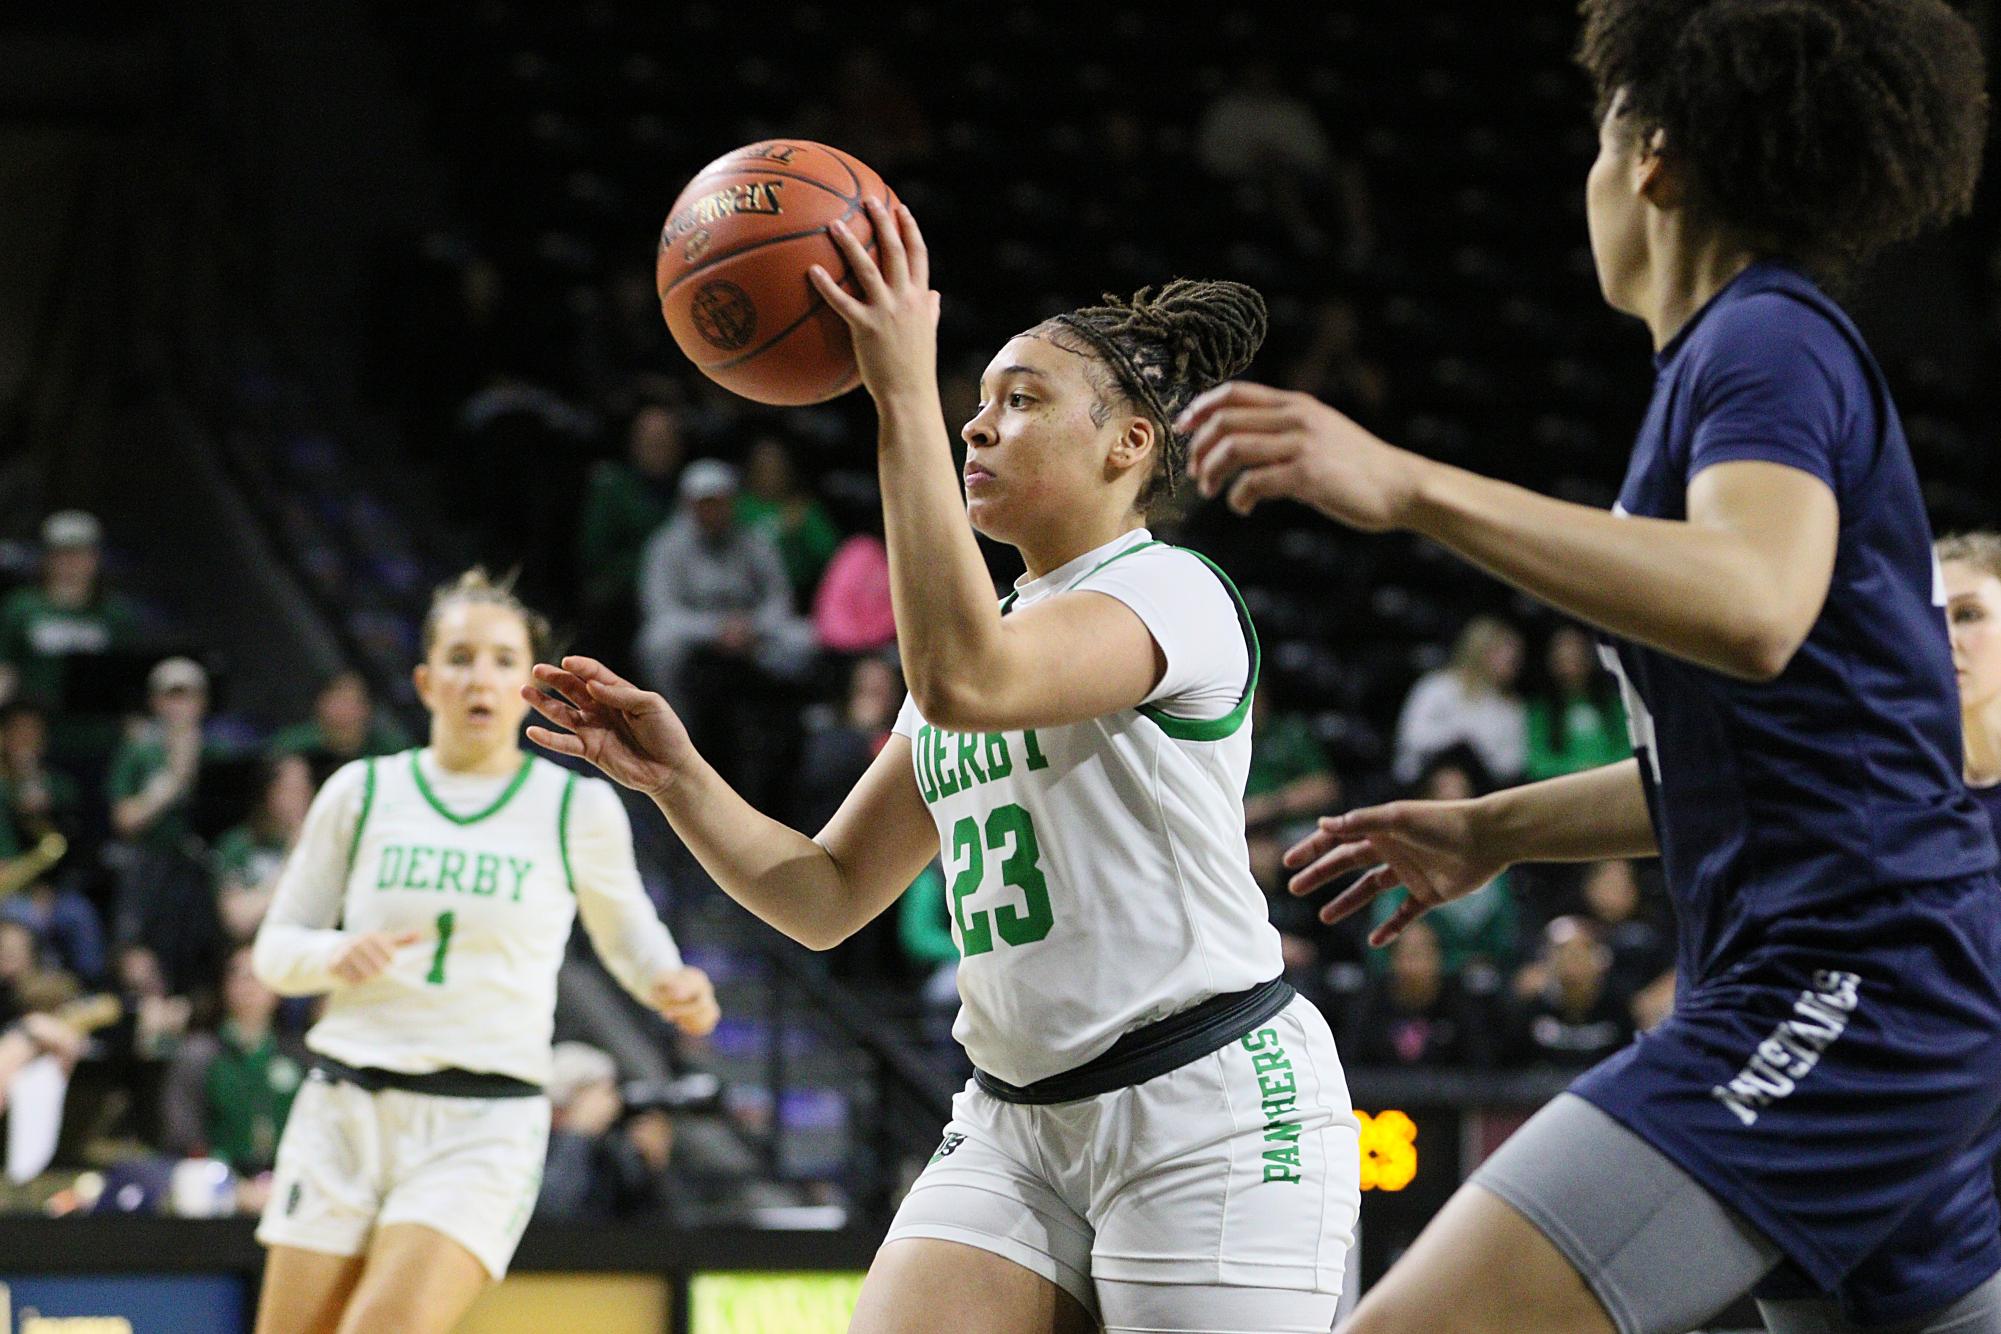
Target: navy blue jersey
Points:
(1841, 777)
(1989, 799)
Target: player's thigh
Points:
(919, 1285)
(1480, 1268)
(304, 1292)
(1183, 1308)
(417, 1281)
(1576, 1225)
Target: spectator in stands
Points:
(1290, 778)
(64, 925)
(346, 725)
(26, 982)
(1575, 722)
(626, 501)
(718, 635)
(1470, 933)
(851, 610)
(1332, 366)
(229, 1090)
(775, 503)
(68, 615)
(1570, 1013)
(153, 775)
(35, 798)
(1471, 699)
(603, 1165)
(837, 753)
(248, 857)
(165, 895)
(1414, 1012)
(1271, 143)
(1641, 951)
(924, 929)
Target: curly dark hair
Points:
(1159, 350)
(1823, 130)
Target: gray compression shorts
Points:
(1661, 1253)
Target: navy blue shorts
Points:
(1841, 1089)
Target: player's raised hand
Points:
(1252, 443)
(628, 733)
(687, 999)
(1435, 849)
(894, 322)
(367, 955)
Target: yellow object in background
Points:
(600, 1303)
(772, 1303)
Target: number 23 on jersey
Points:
(1007, 830)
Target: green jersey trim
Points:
(1214, 729)
(520, 777)
(563, 830)
(1007, 603)
(367, 803)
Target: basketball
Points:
(732, 268)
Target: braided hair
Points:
(1162, 348)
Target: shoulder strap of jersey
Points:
(1214, 729)
(563, 829)
(367, 803)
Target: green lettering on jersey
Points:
(999, 763)
(927, 783)
(485, 874)
(451, 862)
(941, 755)
(1278, 1097)
(521, 869)
(969, 759)
(1035, 756)
(390, 868)
(410, 880)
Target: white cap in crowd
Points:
(71, 528)
(176, 674)
(575, 1065)
(706, 479)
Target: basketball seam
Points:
(819, 303)
(854, 205)
(835, 157)
(835, 191)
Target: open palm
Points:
(1431, 848)
(628, 733)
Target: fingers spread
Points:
(913, 245)
(1235, 393)
(868, 276)
(555, 710)
(889, 244)
(1344, 858)
(563, 743)
(1360, 894)
(1407, 912)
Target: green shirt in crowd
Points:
(246, 860)
(1485, 924)
(38, 638)
(1283, 752)
(805, 542)
(249, 1090)
(132, 767)
(385, 737)
(1594, 734)
(924, 923)
(622, 508)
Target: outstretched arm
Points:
(1445, 850)
(1734, 587)
(817, 891)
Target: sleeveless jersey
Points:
(492, 890)
(1096, 873)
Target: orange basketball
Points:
(732, 268)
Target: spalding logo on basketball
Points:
(724, 315)
(732, 268)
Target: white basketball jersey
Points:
(492, 890)
(1096, 873)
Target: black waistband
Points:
(1149, 1052)
(437, 1083)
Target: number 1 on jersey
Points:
(437, 974)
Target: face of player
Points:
(471, 680)
(1973, 612)
(1034, 452)
(1615, 212)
